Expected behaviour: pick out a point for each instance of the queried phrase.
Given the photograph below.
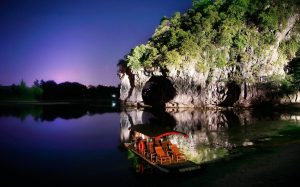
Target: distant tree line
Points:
(20, 92)
(51, 91)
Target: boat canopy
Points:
(155, 131)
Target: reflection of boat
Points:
(151, 143)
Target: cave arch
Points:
(233, 94)
(157, 91)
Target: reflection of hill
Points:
(210, 132)
(204, 127)
(53, 111)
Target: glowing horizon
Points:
(74, 41)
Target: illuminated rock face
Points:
(188, 89)
(241, 85)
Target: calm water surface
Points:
(66, 145)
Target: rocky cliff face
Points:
(245, 83)
(211, 88)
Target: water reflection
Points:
(77, 147)
(291, 117)
(81, 148)
(212, 134)
(49, 112)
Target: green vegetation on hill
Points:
(218, 34)
(291, 83)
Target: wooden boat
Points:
(167, 161)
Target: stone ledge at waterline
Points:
(246, 71)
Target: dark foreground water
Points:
(64, 145)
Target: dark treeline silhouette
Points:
(20, 92)
(51, 91)
(51, 112)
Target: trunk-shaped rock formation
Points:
(198, 60)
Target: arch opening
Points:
(233, 94)
(158, 91)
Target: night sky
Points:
(74, 40)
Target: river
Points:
(64, 145)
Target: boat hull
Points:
(174, 167)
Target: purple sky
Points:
(74, 40)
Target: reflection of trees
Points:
(51, 112)
(21, 111)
